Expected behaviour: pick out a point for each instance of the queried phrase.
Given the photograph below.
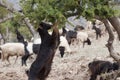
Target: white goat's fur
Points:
(64, 43)
(14, 49)
(30, 47)
(36, 40)
(11, 49)
(81, 37)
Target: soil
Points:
(72, 66)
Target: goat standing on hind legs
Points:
(41, 67)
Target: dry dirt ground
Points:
(72, 66)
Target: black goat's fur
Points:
(35, 47)
(97, 31)
(70, 35)
(87, 41)
(20, 39)
(62, 50)
(41, 67)
(98, 67)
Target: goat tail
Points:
(88, 41)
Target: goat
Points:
(64, 43)
(62, 50)
(41, 67)
(21, 40)
(71, 35)
(97, 30)
(83, 37)
(11, 49)
(99, 66)
(28, 47)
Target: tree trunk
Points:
(113, 53)
(116, 24)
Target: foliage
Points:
(3, 27)
(100, 8)
(17, 20)
(25, 32)
(52, 10)
(3, 12)
(22, 28)
(48, 10)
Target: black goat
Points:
(35, 48)
(98, 67)
(87, 41)
(41, 67)
(20, 39)
(97, 30)
(62, 50)
(71, 35)
(27, 54)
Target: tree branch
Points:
(113, 53)
(29, 25)
(116, 24)
(5, 6)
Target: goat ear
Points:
(45, 25)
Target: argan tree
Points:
(52, 10)
(36, 11)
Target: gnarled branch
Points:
(116, 24)
(113, 53)
(29, 25)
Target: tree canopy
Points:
(52, 10)
(59, 10)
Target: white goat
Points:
(82, 37)
(11, 49)
(64, 43)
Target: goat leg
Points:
(24, 58)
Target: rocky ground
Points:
(72, 66)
